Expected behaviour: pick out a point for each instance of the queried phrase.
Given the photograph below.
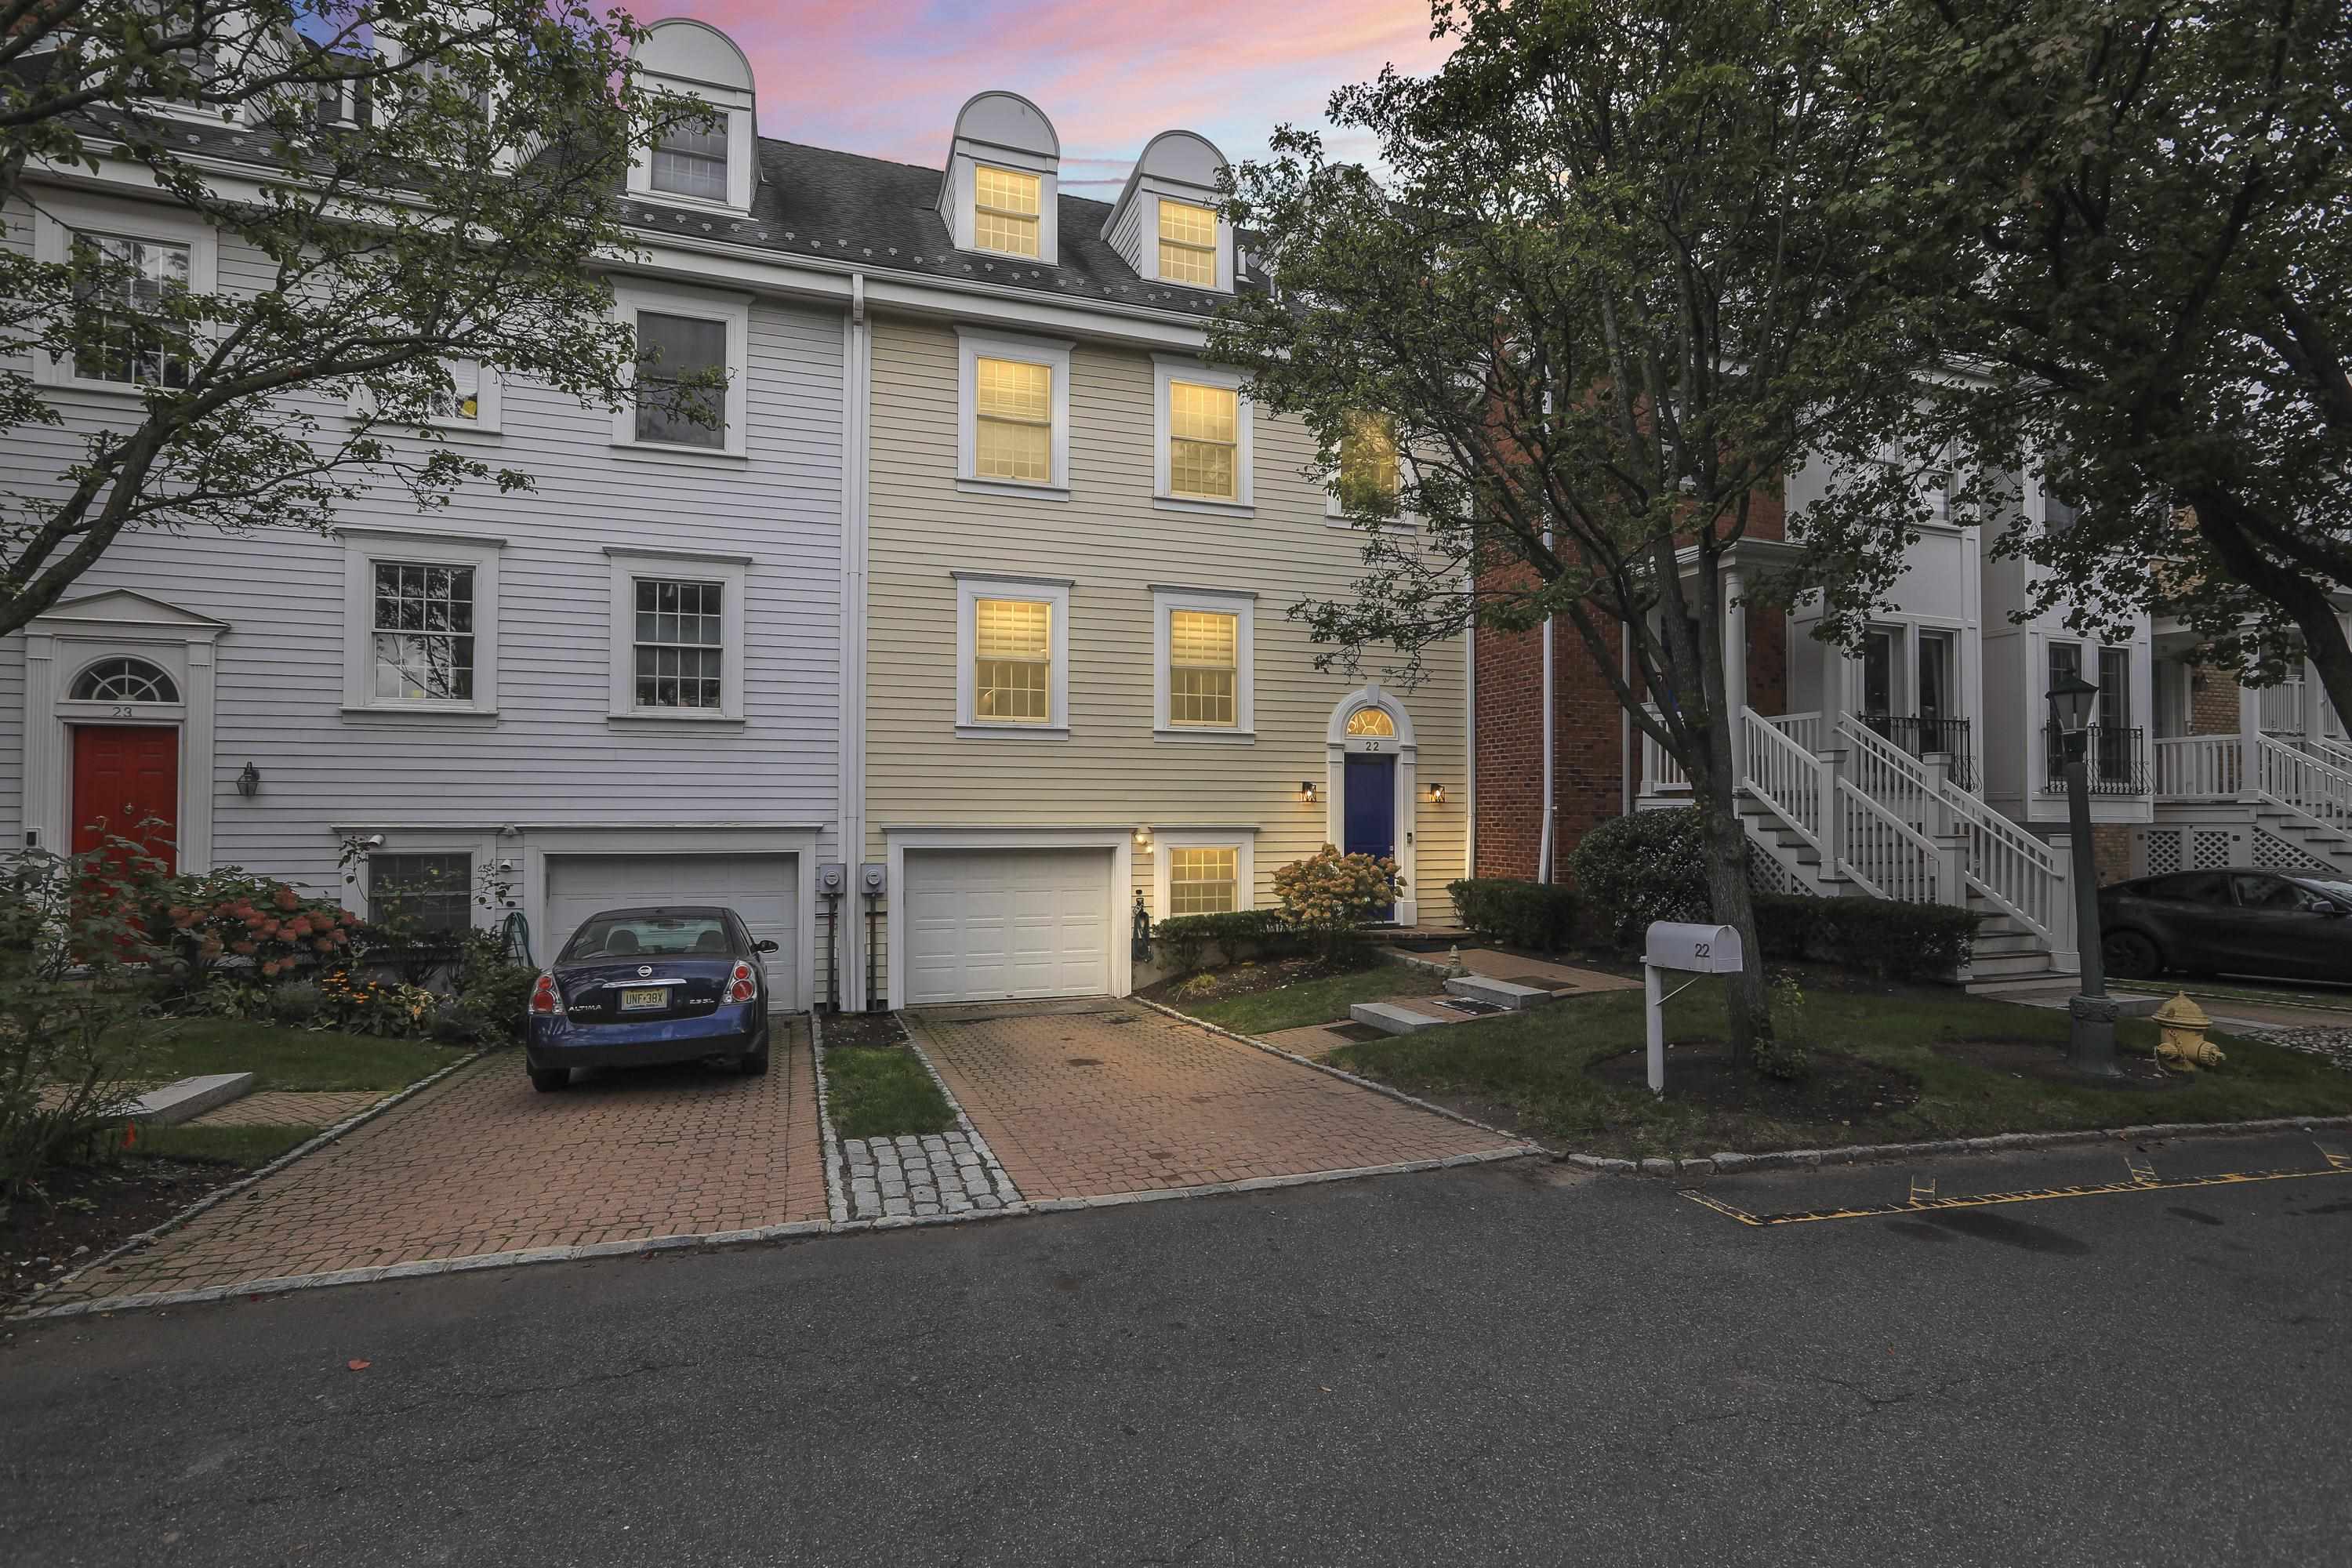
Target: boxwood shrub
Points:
(1541, 915)
(1892, 939)
(1184, 940)
(1631, 871)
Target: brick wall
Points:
(2213, 701)
(2111, 850)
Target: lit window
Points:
(1367, 462)
(1012, 660)
(1203, 427)
(1188, 243)
(1371, 721)
(423, 632)
(690, 158)
(1015, 407)
(1005, 210)
(461, 403)
(118, 335)
(679, 650)
(1203, 667)
(420, 893)
(671, 351)
(1204, 881)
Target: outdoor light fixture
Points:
(1306, 792)
(249, 783)
(2091, 1034)
(1144, 835)
(1437, 794)
(2072, 699)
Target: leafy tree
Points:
(2134, 220)
(1605, 291)
(398, 183)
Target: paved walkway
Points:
(1565, 979)
(1103, 1097)
(482, 1162)
(289, 1108)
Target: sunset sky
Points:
(887, 78)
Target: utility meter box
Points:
(833, 878)
(872, 875)
(1699, 949)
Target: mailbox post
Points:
(1692, 950)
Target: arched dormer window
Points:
(1001, 196)
(1165, 222)
(124, 680)
(707, 161)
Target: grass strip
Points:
(883, 1093)
(284, 1058)
(244, 1147)
(1322, 1001)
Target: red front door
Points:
(126, 785)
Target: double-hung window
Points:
(1005, 204)
(1202, 423)
(421, 894)
(678, 634)
(122, 331)
(461, 402)
(1203, 871)
(420, 621)
(1204, 642)
(1014, 396)
(693, 346)
(1368, 463)
(690, 158)
(1188, 243)
(1013, 640)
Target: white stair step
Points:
(1391, 1019)
(1498, 993)
(191, 1097)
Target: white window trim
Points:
(1148, 264)
(734, 106)
(362, 547)
(963, 197)
(970, 588)
(1242, 841)
(1167, 598)
(1167, 368)
(478, 852)
(52, 243)
(1336, 515)
(731, 573)
(735, 311)
(489, 404)
(1054, 353)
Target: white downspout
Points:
(1550, 802)
(856, 374)
(1625, 722)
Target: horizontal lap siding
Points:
(1113, 542)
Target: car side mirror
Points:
(2326, 907)
(764, 944)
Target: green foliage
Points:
(1323, 1000)
(272, 928)
(1328, 895)
(1649, 866)
(1781, 1054)
(493, 993)
(1540, 915)
(1907, 943)
(284, 1056)
(394, 1008)
(878, 1093)
(1184, 939)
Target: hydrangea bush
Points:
(1328, 895)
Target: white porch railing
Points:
(2199, 767)
(2306, 782)
(1784, 774)
(1661, 774)
(1885, 772)
(1810, 730)
(1883, 855)
(2281, 708)
(2334, 753)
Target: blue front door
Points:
(1368, 821)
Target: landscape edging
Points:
(1725, 1161)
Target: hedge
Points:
(1632, 871)
(1541, 915)
(1891, 940)
(1184, 938)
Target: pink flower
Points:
(246, 947)
(287, 898)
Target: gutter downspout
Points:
(1550, 802)
(1625, 723)
(1470, 736)
(857, 380)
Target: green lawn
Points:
(1322, 1001)
(882, 1093)
(1533, 1064)
(282, 1057)
(245, 1146)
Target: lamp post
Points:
(2091, 1039)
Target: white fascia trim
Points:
(1242, 607)
(1167, 368)
(1242, 841)
(701, 304)
(1052, 591)
(731, 574)
(899, 841)
(364, 546)
(973, 345)
(55, 222)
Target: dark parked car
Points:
(634, 987)
(2237, 921)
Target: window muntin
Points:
(1204, 440)
(420, 893)
(1188, 243)
(1013, 436)
(690, 158)
(1370, 722)
(1012, 661)
(1203, 669)
(670, 350)
(1204, 881)
(423, 624)
(1005, 210)
(462, 402)
(1367, 462)
(117, 335)
(679, 651)
(123, 679)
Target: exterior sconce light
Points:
(249, 783)
(1306, 792)
(1437, 794)
(1144, 835)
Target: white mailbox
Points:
(1697, 949)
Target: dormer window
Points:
(701, 153)
(1166, 223)
(1188, 243)
(690, 160)
(1005, 211)
(1001, 195)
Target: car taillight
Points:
(545, 1000)
(742, 985)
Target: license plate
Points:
(645, 999)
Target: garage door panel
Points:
(986, 925)
(763, 888)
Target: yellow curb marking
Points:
(1923, 1199)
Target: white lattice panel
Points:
(2279, 855)
(2212, 848)
(2163, 850)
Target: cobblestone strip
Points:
(909, 1177)
(1006, 1193)
(837, 1200)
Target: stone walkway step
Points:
(1401, 1018)
(188, 1099)
(1508, 995)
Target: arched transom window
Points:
(124, 680)
(1371, 721)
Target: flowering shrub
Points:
(231, 911)
(367, 1006)
(1328, 895)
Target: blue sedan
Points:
(634, 987)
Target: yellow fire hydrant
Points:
(2180, 1042)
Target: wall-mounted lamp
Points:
(1306, 792)
(1144, 835)
(1437, 794)
(249, 783)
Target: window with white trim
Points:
(1014, 408)
(420, 621)
(689, 158)
(1204, 644)
(421, 894)
(1204, 881)
(1188, 243)
(1013, 640)
(1203, 426)
(1005, 205)
(678, 634)
(693, 349)
(122, 330)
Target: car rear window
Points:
(627, 936)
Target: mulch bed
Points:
(82, 1211)
(850, 1030)
(2047, 1064)
(1839, 1088)
(1249, 979)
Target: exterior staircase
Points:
(2259, 799)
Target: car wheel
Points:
(754, 1063)
(2130, 957)
(547, 1081)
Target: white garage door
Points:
(762, 889)
(987, 925)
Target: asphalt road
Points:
(1497, 1365)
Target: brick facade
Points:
(2213, 701)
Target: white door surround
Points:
(66, 641)
(1117, 842)
(1338, 745)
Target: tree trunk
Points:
(1745, 1008)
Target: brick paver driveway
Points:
(1093, 1098)
(481, 1163)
